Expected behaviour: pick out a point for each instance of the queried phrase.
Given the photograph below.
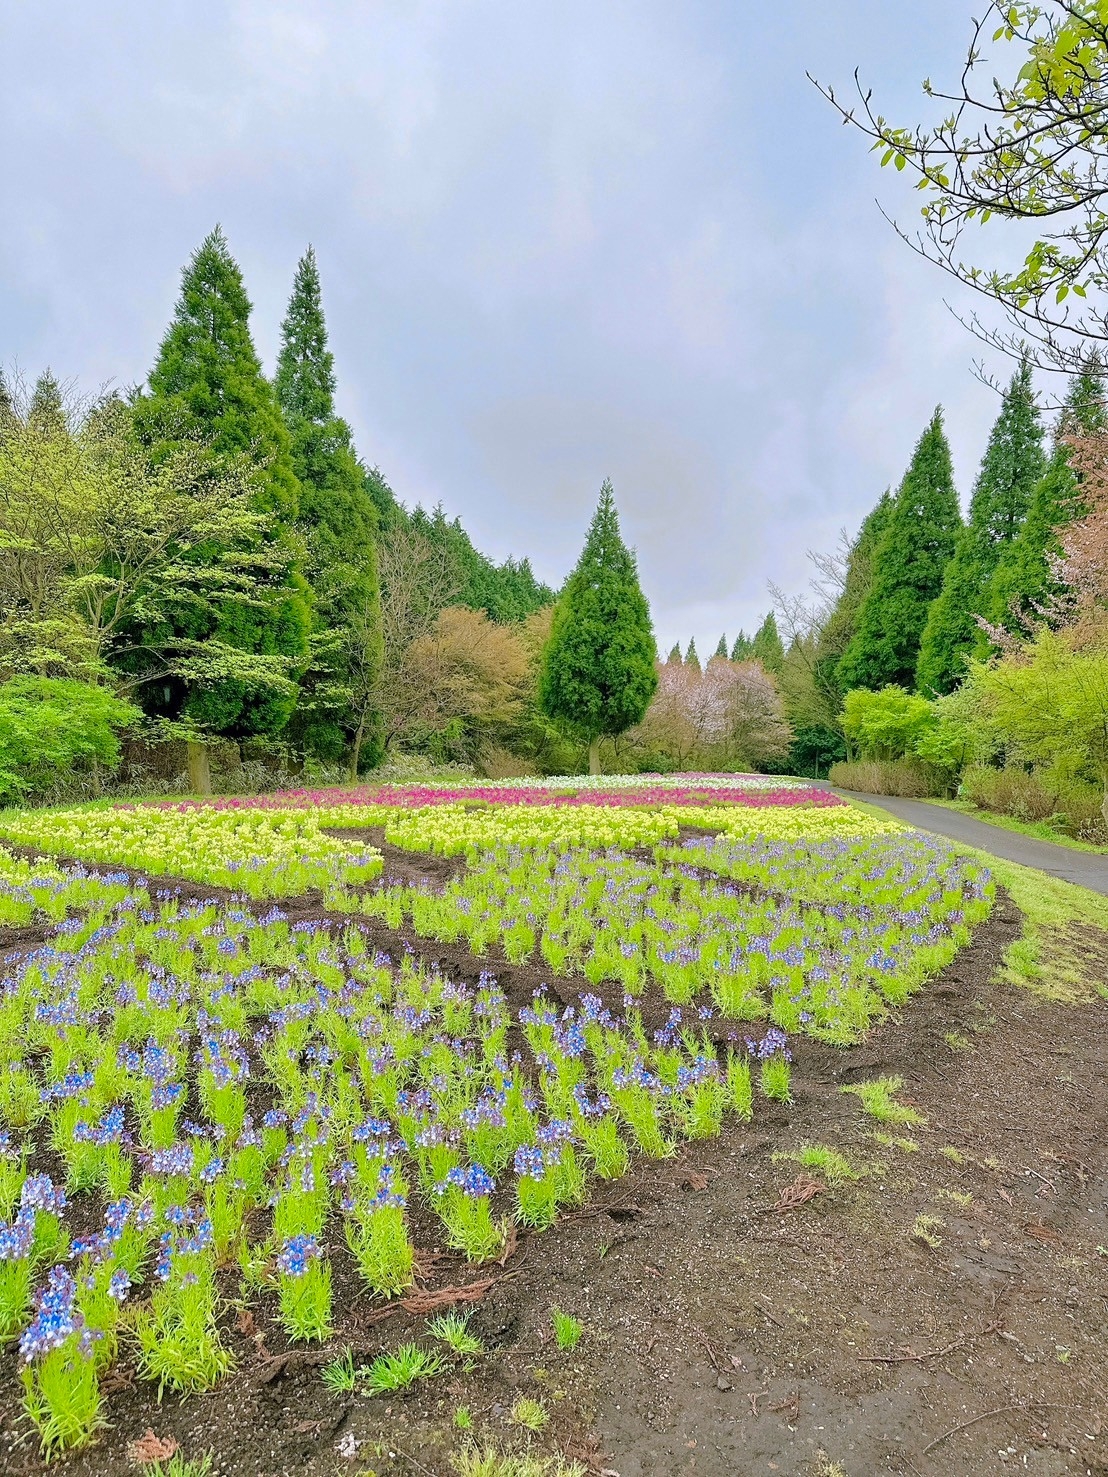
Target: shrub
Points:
(908, 778)
(1072, 806)
(52, 729)
(1081, 814)
(1011, 791)
(886, 724)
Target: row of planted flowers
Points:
(144, 1044)
(414, 796)
(283, 853)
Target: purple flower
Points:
(297, 1252)
(55, 1319)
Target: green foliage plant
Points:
(52, 727)
(182, 1466)
(342, 1374)
(879, 1101)
(401, 1368)
(833, 1166)
(776, 1078)
(567, 1330)
(530, 1414)
(886, 724)
(452, 1329)
(488, 1462)
(598, 672)
(61, 1397)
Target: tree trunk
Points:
(356, 750)
(200, 773)
(594, 756)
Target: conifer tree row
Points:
(1023, 583)
(1011, 469)
(207, 385)
(839, 629)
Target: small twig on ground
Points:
(708, 1347)
(407, 1456)
(909, 1357)
(445, 1297)
(754, 1396)
(768, 1314)
(1024, 1407)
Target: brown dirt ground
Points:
(727, 1334)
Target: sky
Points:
(558, 243)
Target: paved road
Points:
(1086, 868)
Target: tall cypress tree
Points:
(675, 653)
(721, 649)
(740, 652)
(692, 659)
(207, 385)
(338, 515)
(840, 626)
(767, 646)
(598, 673)
(1012, 467)
(1022, 579)
(908, 569)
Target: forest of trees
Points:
(206, 562)
(209, 550)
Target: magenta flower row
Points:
(412, 796)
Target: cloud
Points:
(557, 243)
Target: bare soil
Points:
(736, 1322)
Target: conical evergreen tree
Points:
(691, 657)
(207, 385)
(767, 646)
(740, 652)
(675, 654)
(598, 673)
(46, 411)
(339, 518)
(841, 624)
(908, 569)
(721, 649)
(1023, 580)
(1011, 469)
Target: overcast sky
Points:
(558, 241)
